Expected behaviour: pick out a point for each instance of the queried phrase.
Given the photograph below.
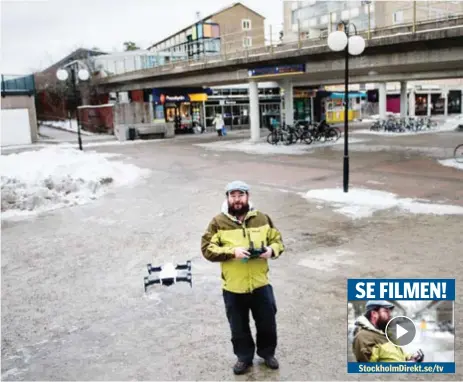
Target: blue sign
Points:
(400, 289)
(279, 70)
(401, 367)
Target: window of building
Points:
(398, 17)
(294, 17)
(247, 42)
(246, 24)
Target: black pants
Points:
(261, 302)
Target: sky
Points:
(37, 33)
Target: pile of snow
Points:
(361, 203)
(54, 177)
(264, 148)
(451, 163)
(68, 125)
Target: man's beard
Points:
(381, 324)
(238, 211)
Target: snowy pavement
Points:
(50, 134)
(73, 302)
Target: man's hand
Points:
(417, 357)
(241, 253)
(268, 254)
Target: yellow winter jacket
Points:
(371, 344)
(225, 233)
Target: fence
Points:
(17, 84)
(271, 39)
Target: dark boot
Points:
(241, 367)
(272, 363)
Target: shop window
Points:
(246, 24)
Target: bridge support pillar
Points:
(403, 99)
(254, 118)
(446, 101)
(411, 102)
(429, 105)
(289, 102)
(382, 100)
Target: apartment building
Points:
(228, 30)
(314, 18)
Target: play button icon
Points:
(401, 331)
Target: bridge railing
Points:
(270, 40)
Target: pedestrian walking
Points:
(219, 124)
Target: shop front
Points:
(303, 104)
(184, 107)
(235, 113)
(334, 110)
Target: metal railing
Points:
(268, 40)
(17, 84)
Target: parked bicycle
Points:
(303, 131)
(400, 125)
(458, 153)
(324, 132)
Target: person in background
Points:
(245, 282)
(219, 124)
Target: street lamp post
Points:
(338, 41)
(83, 74)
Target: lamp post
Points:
(355, 44)
(83, 74)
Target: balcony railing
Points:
(18, 84)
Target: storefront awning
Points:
(198, 97)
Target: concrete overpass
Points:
(434, 51)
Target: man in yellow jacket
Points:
(245, 283)
(370, 341)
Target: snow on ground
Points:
(113, 142)
(360, 203)
(329, 260)
(450, 124)
(451, 163)
(55, 177)
(264, 148)
(437, 152)
(68, 125)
